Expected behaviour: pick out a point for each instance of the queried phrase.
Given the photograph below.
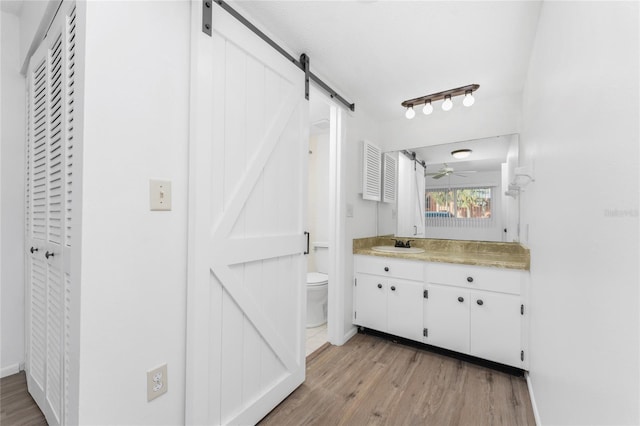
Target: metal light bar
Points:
(302, 64)
(440, 95)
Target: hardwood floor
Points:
(368, 381)
(17, 408)
(373, 381)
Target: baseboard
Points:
(349, 334)
(536, 415)
(9, 370)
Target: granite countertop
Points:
(480, 253)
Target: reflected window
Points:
(458, 204)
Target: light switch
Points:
(349, 210)
(160, 195)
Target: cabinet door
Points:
(370, 302)
(495, 327)
(446, 317)
(404, 308)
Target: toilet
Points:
(317, 287)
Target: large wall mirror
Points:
(457, 191)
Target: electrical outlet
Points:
(157, 382)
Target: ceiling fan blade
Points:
(439, 175)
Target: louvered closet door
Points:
(49, 153)
(247, 293)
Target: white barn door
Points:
(246, 309)
(49, 194)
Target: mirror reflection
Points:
(454, 191)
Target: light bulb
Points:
(468, 99)
(410, 113)
(428, 108)
(447, 104)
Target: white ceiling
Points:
(11, 6)
(379, 53)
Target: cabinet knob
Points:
(33, 249)
(386, 269)
(480, 302)
(460, 299)
(469, 279)
(393, 288)
(48, 255)
(379, 285)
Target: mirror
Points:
(458, 198)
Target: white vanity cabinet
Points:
(475, 310)
(388, 295)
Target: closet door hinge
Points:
(355, 314)
(521, 355)
(355, 282)
(425, 332)
(521, 309)
(207, 18)
(425, 294)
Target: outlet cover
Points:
(160, 195)
(157, 382)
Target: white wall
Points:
(486, 118)
(136, 127)
(318, 207)
(12, 198)
(35, 17)
(580, 132)
(359, 126)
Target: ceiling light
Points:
(459, 154)
(445, 95)
(428, 108)
(468, 98)
(447, 104)
(410, 113)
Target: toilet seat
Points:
(316, 279)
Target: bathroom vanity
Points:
(466, 296)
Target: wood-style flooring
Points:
(17, 408)
(368, 381)
(373, 381)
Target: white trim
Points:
(10, 370)
(534, 406)
(349, 334)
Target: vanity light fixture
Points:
(468, 99)
(410, 113)
(428, 108)
(460, 154)
(446, 95)
(447, 104)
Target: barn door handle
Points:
(307, 234)
(33, 250)
(48, 255)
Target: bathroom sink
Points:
(392, 249)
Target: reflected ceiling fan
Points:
(448, 171)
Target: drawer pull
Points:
(480, 302)
(379, 285)
(469, 279)
(33, 249)
(393, 288)
(386, 269)
(48, 255)
(460, 299)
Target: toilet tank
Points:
(321, 251)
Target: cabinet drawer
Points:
(475, 277)
(388, 267)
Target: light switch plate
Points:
(160, 195)
(349, 210)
